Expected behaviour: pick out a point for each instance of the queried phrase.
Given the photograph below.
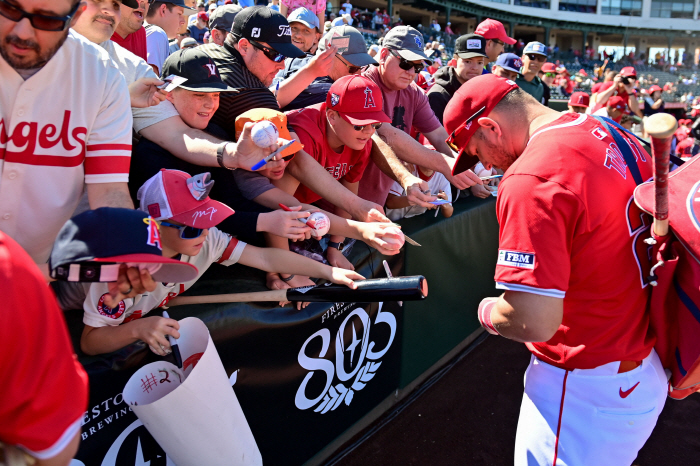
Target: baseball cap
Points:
(175, 195)
(357, 48)
(549, 68)
(277, 118)
(407, 41)
(654, 88)
(628, 71)
(199, 69)
(617, 102)
(304, 16)
(463, 111)
(509, 61)
(188, 42)
(223, 17)
(174, 2)
(203, 16)
(492, 29)
(357, 99)
(212, 7)
(579, 99)
(130, 3)
(264, 24)
(470, 46)
(535, 47)
(111, 235)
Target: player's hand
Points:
(245, 153)
(144, 92)
(130, 282)
(366, 211)
(418, 193)
(344, 277)
(463, 180)
(375, 235)
(285, 224)
(479, 190)
(337, 259)
(320, 65)
(154, 330)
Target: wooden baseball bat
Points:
(413, 288)
(661, 127)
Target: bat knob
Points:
(661, 125)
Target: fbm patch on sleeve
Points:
(522, 260)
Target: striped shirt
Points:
(252, 93)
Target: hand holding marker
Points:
(173, 345)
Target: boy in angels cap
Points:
(187, 217)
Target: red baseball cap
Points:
(175, 195)
(549, 68)
(628, 71)
(492, 29)
(579, 99)
(617, 102)
(357, 99)
(654, 88)
(463, 111)
(203, 16)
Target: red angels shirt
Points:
(44, 389)
(310, 126)
(570, 229)
(134, 42)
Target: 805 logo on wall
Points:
(334, 381)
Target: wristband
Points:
(484, 313)
(288, 279)
(220, 156)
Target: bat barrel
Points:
(413, 288)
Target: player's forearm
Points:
(525, 317)
(101, 340)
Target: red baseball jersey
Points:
(570, 229)
(310, 125)
(44, 389)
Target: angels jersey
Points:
(67, 125)
(569, 229)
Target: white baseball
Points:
(264, 133)
(321, 224)
(390, 239)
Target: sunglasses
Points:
(268, 52)
(536, 57)
(407, 65)
(185, 231)
(451, 141)
(376, 126)
(352, 69)
(499, 42)
(41, 22)
(551, 75)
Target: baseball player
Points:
(572, 263)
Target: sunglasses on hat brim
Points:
(452, 140)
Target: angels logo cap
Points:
(407, 42)
(470, 46)
(90, 245)
(535, 47)
(263, 24)
(358, 100)
(579, 99)
(469, 103)
(509, 61)
(175, 195)
(492, 29)
(198, 68)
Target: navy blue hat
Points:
(535, 47)
(509, 61)
(90, 247)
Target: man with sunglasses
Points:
(496, 38)
(623, 85)
(534, 56)
(400, 58)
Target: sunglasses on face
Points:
(407, 65)
(376, 126)
(451, 141)
(352, 69)
(185, 231)
(550, 75)
(41, 22)
(535, 57)
(268, 52)
(499, 42)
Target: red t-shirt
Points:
(604, 87)
(310, 125)
(570, 229)
(406, 108)
(44, 389)
(596, 88)
(134, 43)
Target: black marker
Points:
(173, 345)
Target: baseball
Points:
(390, 239)
(264, 133)
(321, 224)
